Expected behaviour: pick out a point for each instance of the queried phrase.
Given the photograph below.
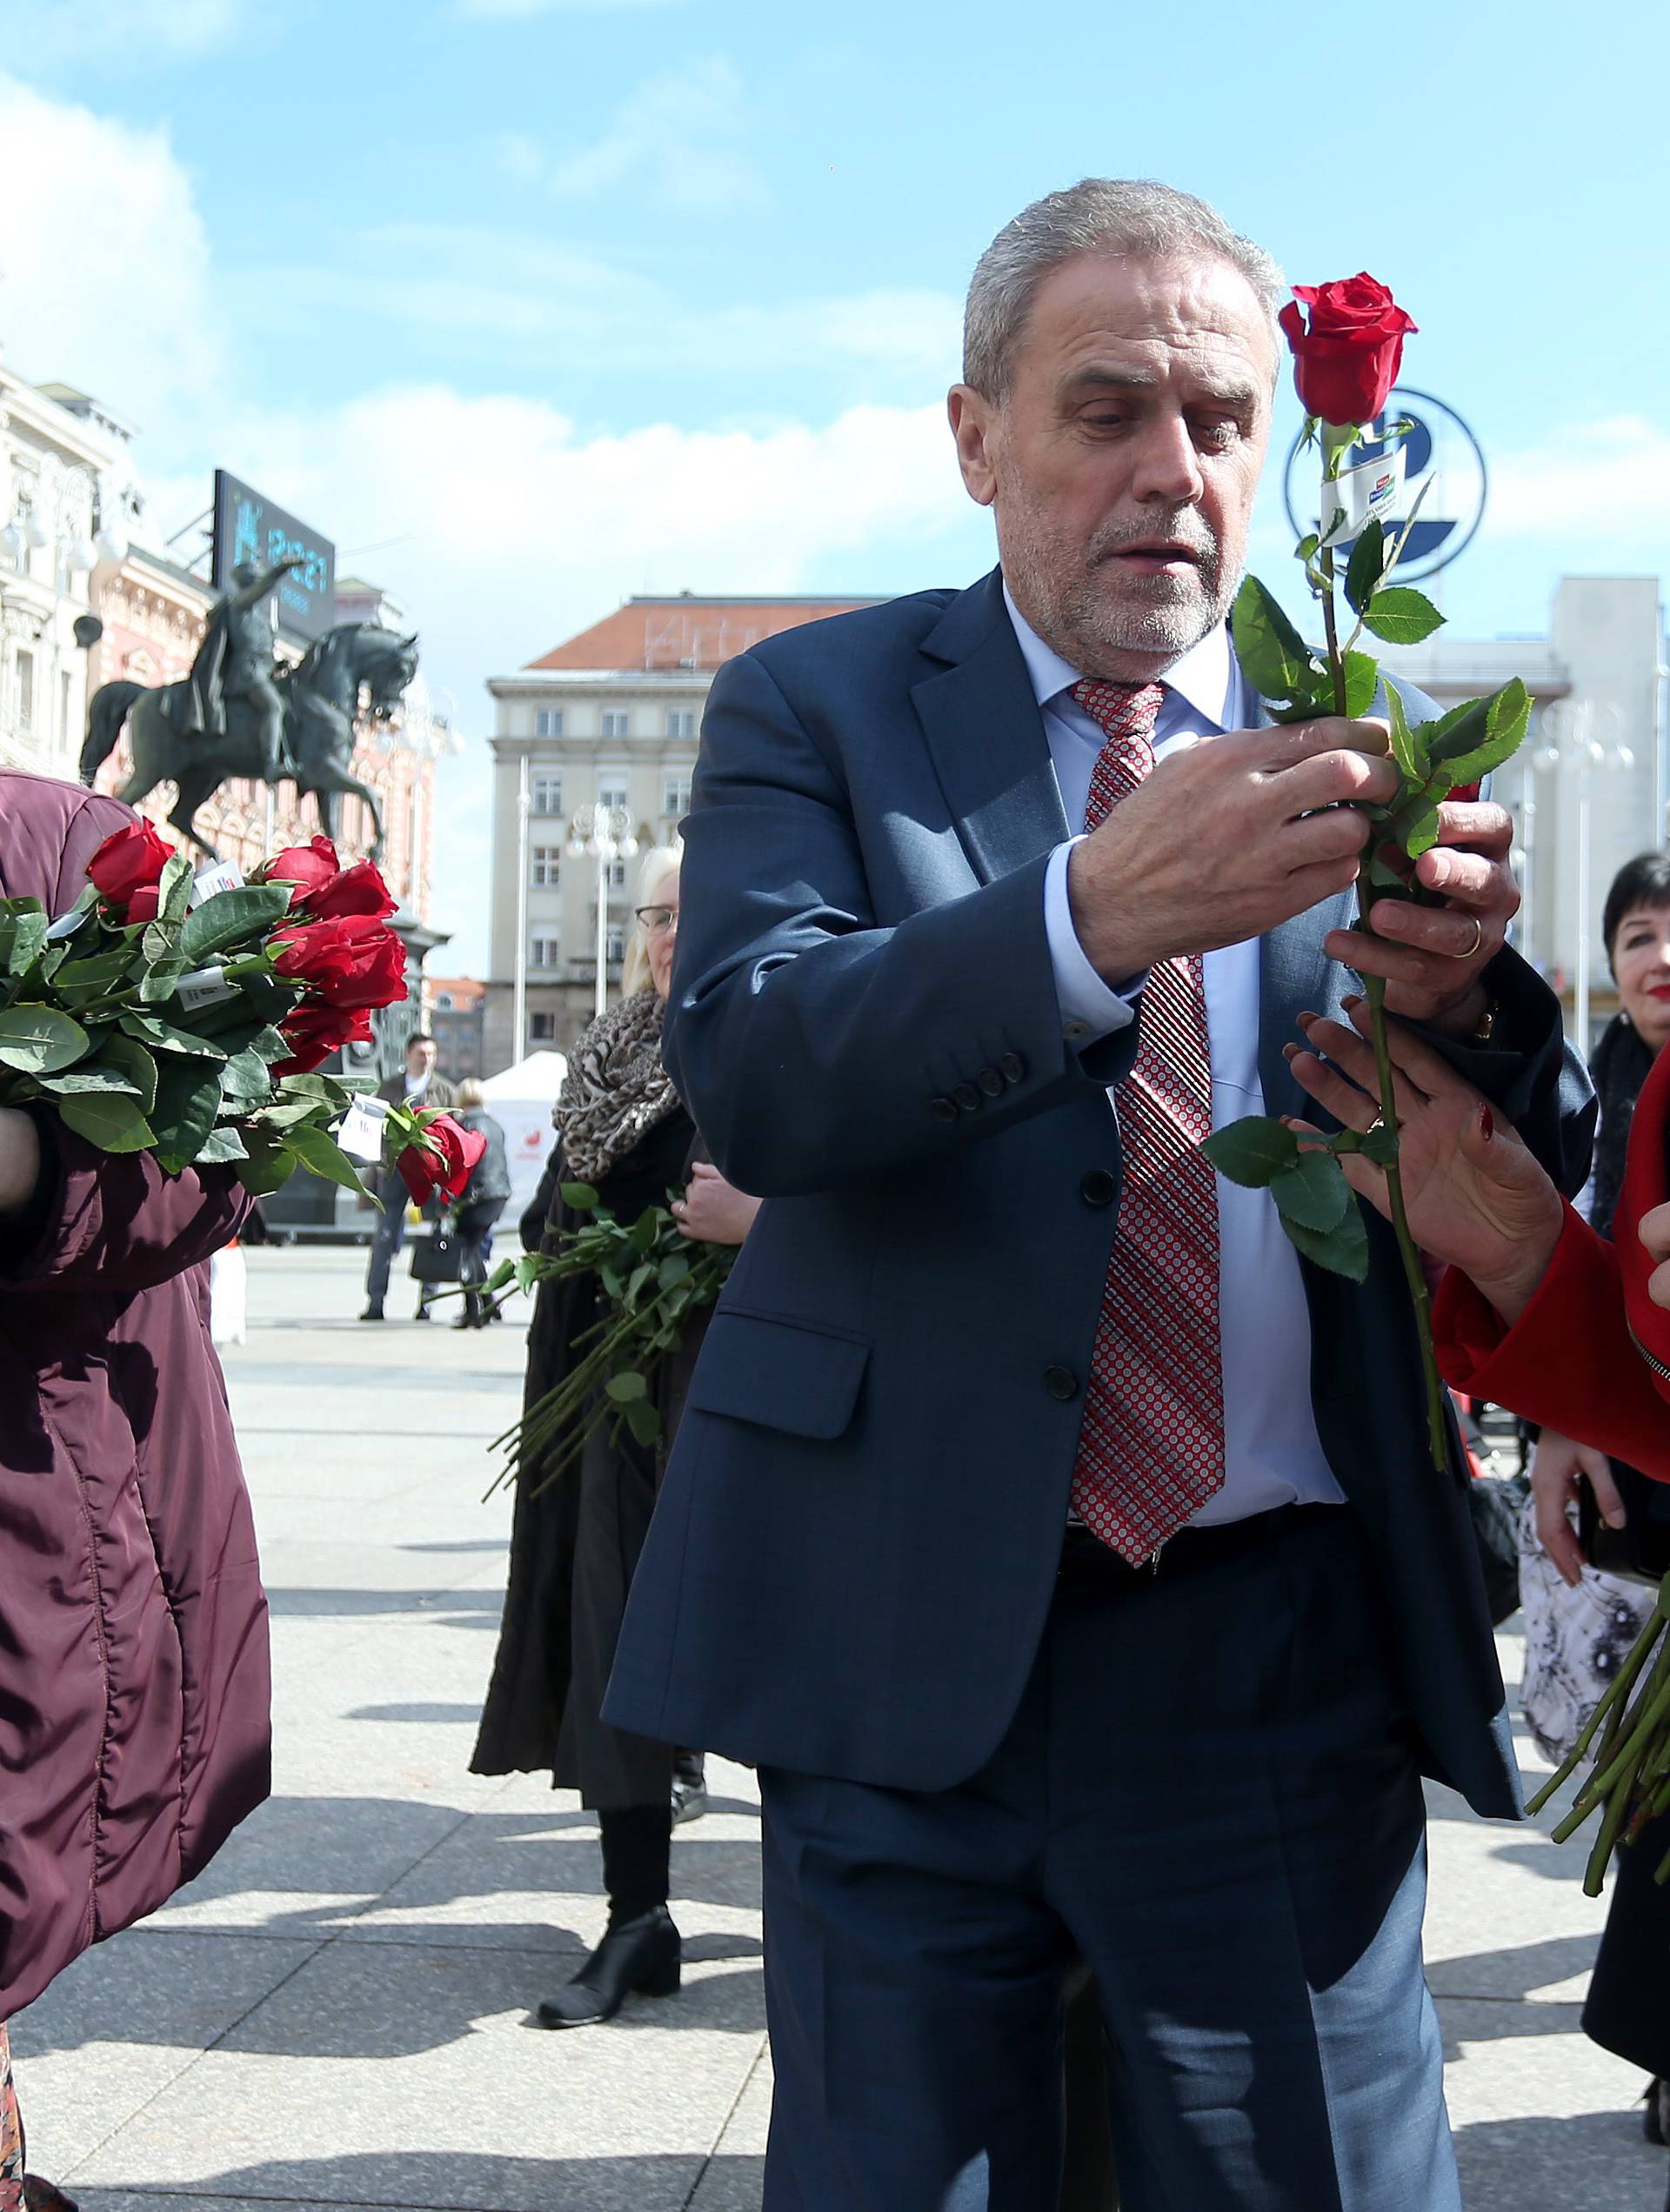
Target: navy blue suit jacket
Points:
(855, 1546)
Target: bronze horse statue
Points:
(322, 697)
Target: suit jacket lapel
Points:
(1295, 975)
(985, 734)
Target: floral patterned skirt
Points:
(11, 2136)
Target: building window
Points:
(617, 721)
(547, 791)
(675, 795)
(444, 1002)
(546, 869)
(681, 722)
(548, 722)
(612, 791)
(616, 946)
(25, 693)
(545, 951)
(542, 1028)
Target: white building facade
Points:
(610, 719)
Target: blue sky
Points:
(550, 302)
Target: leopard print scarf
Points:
(616, 1089)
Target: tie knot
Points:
(1121, 709)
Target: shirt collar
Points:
(1202, 678)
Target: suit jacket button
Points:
(1061, 1383)
(991, 1082)
(943, 1109)
(1099, 1188)
(967, 1097)
(1014, 1068)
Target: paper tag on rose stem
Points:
(67, 924)
(203, 987)
(224, 875)
(1359, 496)
(361, 1133)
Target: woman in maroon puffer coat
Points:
(133, 1634)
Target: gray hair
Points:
(653, 870)
(1102, 215)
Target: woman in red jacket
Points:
(1538, 1313)
(133, 1633)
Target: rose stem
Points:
(1414, 1274)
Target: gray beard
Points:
(1084, 627)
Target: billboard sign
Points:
(249, 528)
(1442, 465)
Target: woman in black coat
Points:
(574, 1546)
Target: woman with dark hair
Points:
(575, 1542)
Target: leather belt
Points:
(1088, 1564)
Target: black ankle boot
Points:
(636, 1958)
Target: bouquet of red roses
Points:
(187, 1013)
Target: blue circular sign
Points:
(1439, 452)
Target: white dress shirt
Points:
(1272, 1455)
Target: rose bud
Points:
(359, 890)
(308, 866)
(442, 1160)
(350, 961)
(131, 859)
(1346, 362)
(313, 1033)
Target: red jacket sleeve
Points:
(1569, 1361)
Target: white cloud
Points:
(123, 308)
(673, 135)
(94, 33)
(1598, 484)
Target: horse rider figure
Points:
(234, 664)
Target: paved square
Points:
(338, 2015)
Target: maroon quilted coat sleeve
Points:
(133, 1685)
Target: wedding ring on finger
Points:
(1478, 940)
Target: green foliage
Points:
(249, 910)
(318, 1151)
(1253, 1153)
(1342, 1250)
(1278, 663)
(1401, 615)
(110, 1119)
(1366, 565)
(1362, 681)
(39, 1039)
(188, 1102)
(1312, 1191)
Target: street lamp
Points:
(605, 833)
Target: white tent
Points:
(520, 1099)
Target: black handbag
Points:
(1640, 1551)
(437, 1257)
(1496, 1502)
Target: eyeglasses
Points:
(657, 921)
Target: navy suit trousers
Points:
(1210, 1791)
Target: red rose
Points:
(129, 860)
(1346, 362)
(347, 962)
(314, 1032)
(359, 890)
(444, 1161)
(308, 866)
(143, 906)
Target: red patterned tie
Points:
(1150, 1451)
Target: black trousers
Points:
(1209, 1791)
(1627, 2009)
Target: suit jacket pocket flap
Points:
(756, 1367)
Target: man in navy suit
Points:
(1063, 1550)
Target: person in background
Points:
(134, 1680)
(418, 1086)
(574, 1547)
(481, 1201)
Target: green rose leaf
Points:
(219, 1148)
(674, 1270)
(319, 1152)
(244, 1078)
(581, 1196)
(1343, 1249)
(1505, 716)
(268, 1166)
(39, 1040)
(1458, 731)
(1311, 1191)
(90, 1077)
(152, 1029)
(1276, 660)
(1408, 747)
(249, 910)
(135, 1062)
(1366, 565)
(188, 1103)
(623, 1389)
(161, 980)
(1252, 1152)
(1380, 1145)
(174, 887)
(1362, 681)
(28, 942)
(110, 1119)
(1401, 615)
(644, 1421)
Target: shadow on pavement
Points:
(1548, 2165)
(438, 2183)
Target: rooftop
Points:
(684, 633)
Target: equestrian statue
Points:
(236, 714)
